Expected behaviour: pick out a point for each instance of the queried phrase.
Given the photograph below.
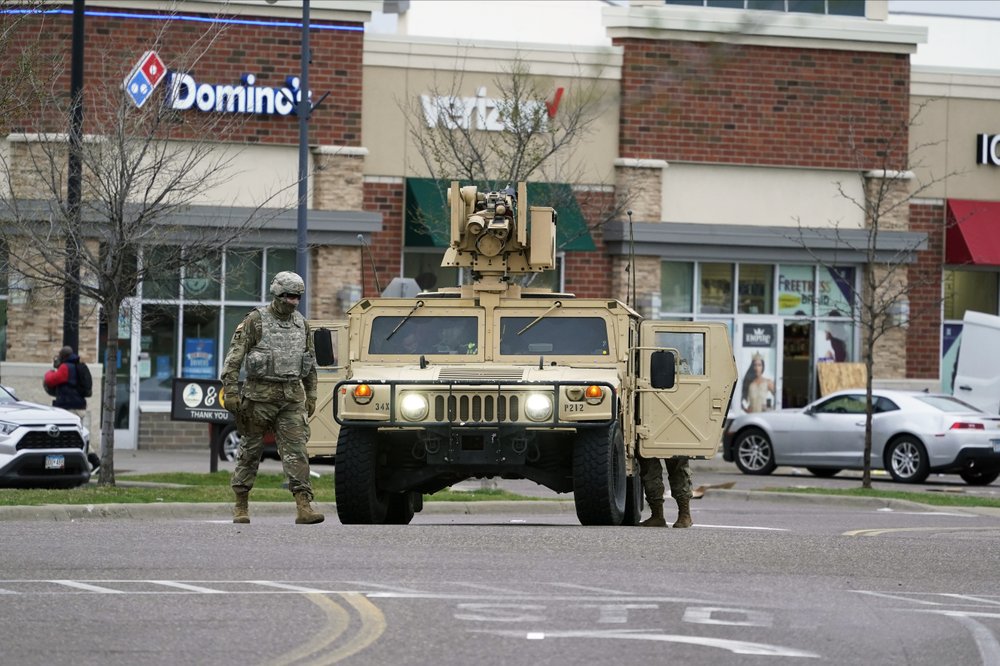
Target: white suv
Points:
(41, 446)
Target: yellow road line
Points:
(337, 621)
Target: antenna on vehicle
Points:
(365, 246)
(631, 261)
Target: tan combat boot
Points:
(683, 513)
(306, 515)
(241, 512)
(657, 519)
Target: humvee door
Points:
(687, 419)
(324, 431)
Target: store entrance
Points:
(795, 387)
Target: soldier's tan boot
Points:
(306, 515)
(241, 512)
(657, 519)
(683, 513)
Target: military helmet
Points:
(287, 282)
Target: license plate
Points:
(996, 445)
(59, 462)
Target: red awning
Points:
(973, 232)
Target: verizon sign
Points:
(482, 112)
(988, 149)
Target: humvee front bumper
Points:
(474, 404)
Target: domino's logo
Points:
(145, 76)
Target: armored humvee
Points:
(493, 379)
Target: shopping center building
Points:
(746, 144)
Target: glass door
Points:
(127, 375)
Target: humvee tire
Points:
(599, 481)
(359, 501)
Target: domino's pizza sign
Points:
(145, 76)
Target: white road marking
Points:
(968, 597)
(897, 597)
(717, 615)
(292, 588)
(185, 586)
(736, 647)
(393, 588)
(617, 613)
(985, 641)
(588, 588)
(743, 527)
(487, 588)
(86, 587)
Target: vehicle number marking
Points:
(381, 406)
(572, 407)
(55, 462)
(996, 445)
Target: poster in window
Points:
(796, 289)
(836, 291)
(951, 341)
(758, 351)
(199, 358)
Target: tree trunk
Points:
(106, 476)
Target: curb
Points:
(222, 512)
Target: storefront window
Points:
(243, 271)
(836, 291)
(200, 353)
(969, 290)
(161, 283)
(426, 269)
(201, 279)
(158, 353)
(676, 286)
(796, 291)
(716, 288)
(277, 261)
(756, 289)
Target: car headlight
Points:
(538, 407)
(413, 407)
(7, 428)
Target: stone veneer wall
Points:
(157, 431)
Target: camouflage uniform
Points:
(679, 477)
(279, 393)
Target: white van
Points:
(977, 371)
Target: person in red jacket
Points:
(64, 383)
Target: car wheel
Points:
(979, 477)
(230, 444)
(823, 472)
(355, 474)
(754, 453)
(906, 460)
(599, 480)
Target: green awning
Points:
(428, 225)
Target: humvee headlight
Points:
(595, 395)
(538, 407)
(413, 407)
(362, 394)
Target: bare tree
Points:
(528, 130)
(143, 168)
(883, 310)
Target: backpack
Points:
(84, 382)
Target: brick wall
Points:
(923, 339)
(745, 104)
(588, 274)
(213, 54)
(157, 431)
(337, 270)
(386, 245)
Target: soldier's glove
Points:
(310, 405)
(232, 400)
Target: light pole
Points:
(303, 108)
(71, 288)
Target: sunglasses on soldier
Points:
(291, 295)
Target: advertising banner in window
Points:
(951, 338)
(796, 291)
(757, 357)
(199, 358)
(836, 291)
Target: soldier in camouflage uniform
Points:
(279, 394)
(679, 476)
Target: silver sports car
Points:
(913, 434)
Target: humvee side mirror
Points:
(662, 371)
(323, 343)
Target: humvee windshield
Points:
(424, 335)
(580, 336)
